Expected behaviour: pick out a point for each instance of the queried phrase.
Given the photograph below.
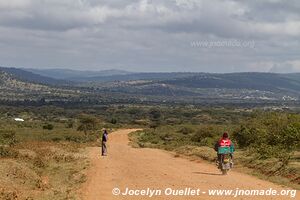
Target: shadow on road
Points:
(206, 173)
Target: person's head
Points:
(105, 131)
(225, 135)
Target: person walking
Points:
(104, 141)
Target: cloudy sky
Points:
(151, 35)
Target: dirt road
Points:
(139, 169)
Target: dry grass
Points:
(270, 169)
(43, 170)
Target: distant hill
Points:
(9, 82)
(251, 80)
(179, 87)
(138, 76)
(28, 76)
(77, 75)
(234, 86)
(289, 83)
(254, 81)
(184, 83)
(106, 75)
(14, 87)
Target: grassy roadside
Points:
(245, 162)
(42, 163)
(44, 157)
(42, 170)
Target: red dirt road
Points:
(139, 169)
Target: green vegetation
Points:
(87, 123)
(20, 87)
(267, 142)
(44, 157)
(48, 126)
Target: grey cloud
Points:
(272, 10)
(143, 35)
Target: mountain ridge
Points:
(28, 76)
(254, 86)
(74, 75)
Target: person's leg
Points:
(231, 163)
(103, 149)
(218, 160)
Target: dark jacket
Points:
(104, 137)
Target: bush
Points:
(80, 138)
(186, 130)
(6, 152)
(56, 139)
(248, 136)
(205, 132)
(70, 124)
(87, 123)
(8, 137)
(291, 137)
(149, 136)
(48, 127)
(271, 135)
(113, 121)
(155, 117)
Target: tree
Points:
(87, 123)
(113, 121)
(155, 117)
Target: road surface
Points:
(141, 168)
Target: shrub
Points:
(172, 121)
(291, 137)
(186, 130)
(155, 114)
(155, 117)
(87, 123)
(246, 136)
(149, 136)
(154, 124)
(271, 135)
(8, 137)
(80, 138)
(203, 133)
(48, 127)
(70, 124)
(113, 121)
(56, 139)
(6, 152)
